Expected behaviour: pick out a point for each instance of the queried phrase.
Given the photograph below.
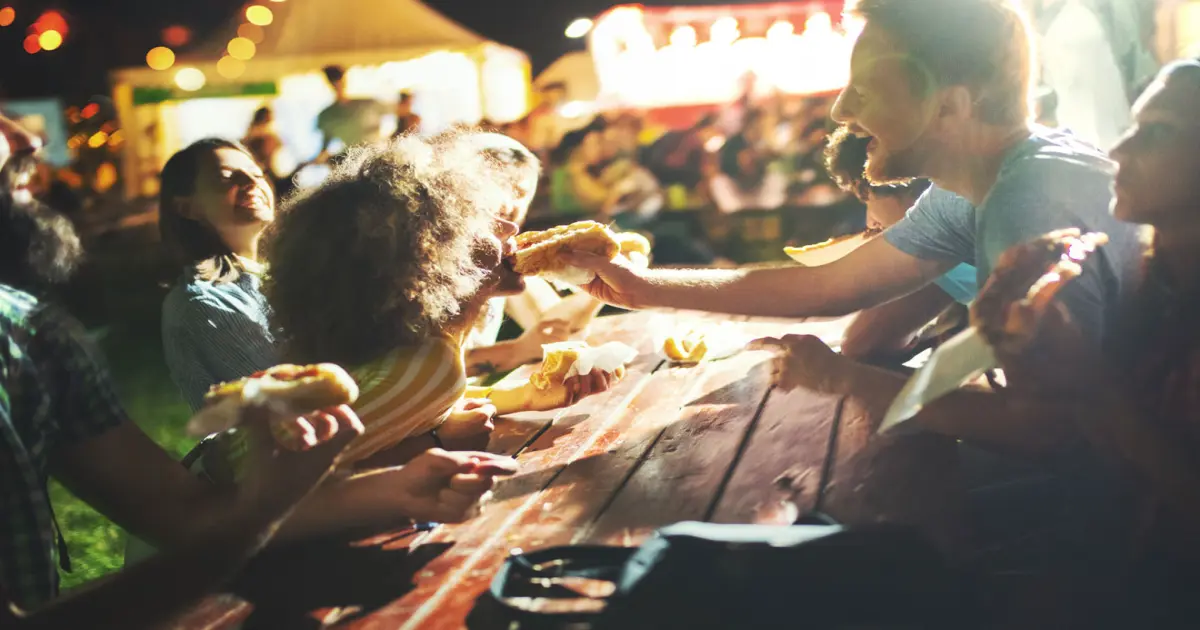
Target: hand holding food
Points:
(540, 253)
(1010, 308)
(286, 390)
(573, 370)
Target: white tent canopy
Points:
(455, 74)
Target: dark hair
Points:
(187, 241)
(379, 256)
(39, 247)
(846, 159)
(984, 45)
(261, 115)
(405, 96)
(333, 74)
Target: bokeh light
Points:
(90, 110)
(259, 15)
(579, 28)
(176, 36)
(50, 40)
(52, 21)
(7, 15)
(241, 48)
(190, 79)
(31, 44)
(230, 68)
(98, 140)
(252, 32)
(160, 58)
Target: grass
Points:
(119, 295)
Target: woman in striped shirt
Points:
(385, 268)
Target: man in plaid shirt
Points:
(60, 416)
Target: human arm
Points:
(147, 594)
(870, 275)
(506, 355)
(891, 327)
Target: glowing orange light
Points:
(98, 140)
(7, 15)
(50, 40)
(160, 58)
(116, 138)
(241, 48)
(176, 36)
(230, 68)
(252, 32)
(52, 21)
(31, 44)
(90, 110)
(259, 15)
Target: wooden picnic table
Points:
(711, 442)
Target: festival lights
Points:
(579, 28)
(160, 58)
(176, 36)
(241, 48)
(252, 32)
(259, 15)
(50, 40)
(190, 79)
(7, 15)
(644, 59)
(230, 67)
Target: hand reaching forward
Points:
(617, 281)
(442, 486)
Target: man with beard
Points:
(59, 416)
(942, 89)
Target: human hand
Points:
(277, 478)
(546, 331)
(617, 281)
(801, 361)
(470, 417)
(572, 390)
(440, 486)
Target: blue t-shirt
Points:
(1050, 181)
(960, 283)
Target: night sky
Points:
(106, 34)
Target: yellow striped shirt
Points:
(405, 393)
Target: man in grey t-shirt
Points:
(941, 87)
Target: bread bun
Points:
(295, 389)
(635, 247)
(538, 252)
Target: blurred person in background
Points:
(546, 123)
(746, 179)
(406, 119)
(267, 148)
(350, 121)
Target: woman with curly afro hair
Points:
(385, 268)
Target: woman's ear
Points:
(184, 207)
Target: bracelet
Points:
(437, 441)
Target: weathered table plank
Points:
(690, 462)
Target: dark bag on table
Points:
(704, 575)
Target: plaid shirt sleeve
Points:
(83, 399)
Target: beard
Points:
(899, 168)
(39, 247)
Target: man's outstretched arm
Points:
(873, 274)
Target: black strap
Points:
(532, 575)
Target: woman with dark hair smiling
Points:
(214, 204)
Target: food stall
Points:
(386, 46)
